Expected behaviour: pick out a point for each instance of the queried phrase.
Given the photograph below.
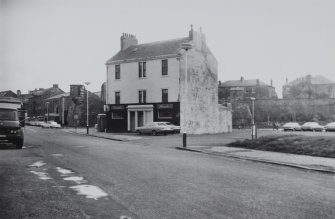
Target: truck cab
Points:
(10, 127)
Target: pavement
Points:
(313, 163)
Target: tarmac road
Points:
(142, 180)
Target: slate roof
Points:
(59, 96)
(318, 79)
(154, 49)
(242, 83)
(7, 93)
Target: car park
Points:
(312, 126)
(330, 127)
(50, 124)
(155, 128)
(291, 126)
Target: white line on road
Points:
(89, 191)
(37, 164)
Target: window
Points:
(165, 95)
(164, 114)
(142, 69)
(117, 72)
(142, 96)
(117, 97)
(117, 115)
(165, 67)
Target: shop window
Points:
(117, 115)
(164, 114)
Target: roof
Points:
(154, 49)
(59, 96)
(98, 93)
(7, 93)
(242, 83)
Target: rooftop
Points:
(242, 83)
(147, 50)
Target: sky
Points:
(46, 42)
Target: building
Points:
(309, 87)
(70, 109)
(146, 82)
(8, 93)
(35, 103)
(244, 89)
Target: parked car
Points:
(312, 126)
(291, 126)
(330, 127)
(50, 124)
(176, 128)
(155, 128)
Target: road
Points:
(149, 180)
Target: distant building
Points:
(309, 87)
(8, 93)
(244, 89)
(146, 82)
(70, 109)
(34, 102)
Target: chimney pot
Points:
(55, 85)
(257, 82)
(242, 78)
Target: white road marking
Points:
(89, 191)
(64, 172)
(57, 155)
(125, 217)
(37, 164)
(41, 175)
(31, 130)
(76, 179)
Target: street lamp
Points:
(47, 111)
(253, 126)
(87, 124)
(186, 47)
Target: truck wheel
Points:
(19, 144)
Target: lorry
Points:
(10, 126)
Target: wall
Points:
(200, 102)
(130, 83)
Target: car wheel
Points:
(154, 133)
(19, 144)
(138, 132)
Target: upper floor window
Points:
(165, 67)
(117, 72)
(117, 97)
(142, 69)
(142, 96)
(165, 95)
(250, 90)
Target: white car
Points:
(291, 126)
(50, 124)
(154, 128)
(312, 126)
(175, 128)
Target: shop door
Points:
(132, 121)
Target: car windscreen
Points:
(8, 114)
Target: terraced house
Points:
(146, 82)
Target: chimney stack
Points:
(18, 93)
(220, 83)
(242, 78)
(286, 80)
(55, 85)
(128, 40)
(271, 83)
(257, 82)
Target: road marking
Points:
(89, 191)
(125, 217)
(57, 155)
(31, 130)
(41, 175)
(76, 179)
(64, 172)
(38, 164)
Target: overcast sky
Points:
(45, 42)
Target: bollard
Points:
(87, 130)
(184, 140)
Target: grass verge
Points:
(294, 144)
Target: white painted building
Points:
(145, 83)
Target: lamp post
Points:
(47, 111)
(87, 112)
(186, 47)
(253, 126)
